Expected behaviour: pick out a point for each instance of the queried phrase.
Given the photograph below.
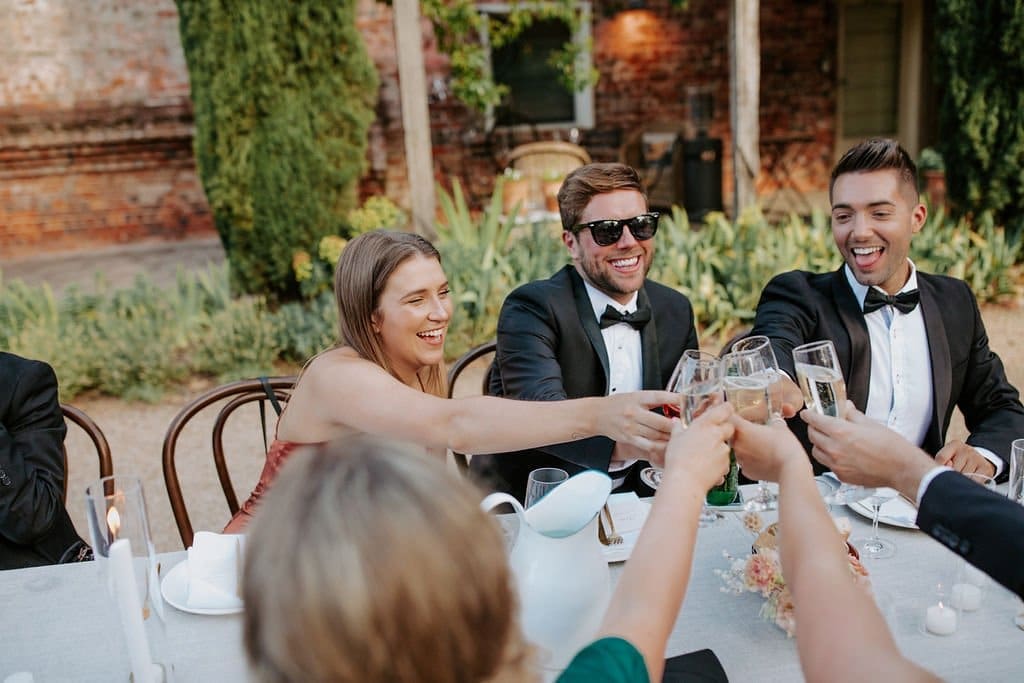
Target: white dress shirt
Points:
(900, 394)
(625, 353)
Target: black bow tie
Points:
(904, 302)
(637, 319)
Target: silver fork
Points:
(607, 535)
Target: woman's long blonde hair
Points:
(365, 266)
(368, 562)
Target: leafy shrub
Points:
(134, 342)
(284, 95)
(307, 328)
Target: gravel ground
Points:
(136, 431)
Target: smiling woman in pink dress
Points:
(386, 374)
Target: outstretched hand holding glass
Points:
(821, 380)
(697, 378)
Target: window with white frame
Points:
(537, 97)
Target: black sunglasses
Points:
(608, 231)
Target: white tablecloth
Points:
(58, 623)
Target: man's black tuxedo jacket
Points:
(985, 528)
(34, 526)
(799, 307)
(550, 348)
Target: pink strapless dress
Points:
(276, 457)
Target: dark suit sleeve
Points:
(785, 315)
(31, 455)
(985, 528)
(527, 361)
(990, 404)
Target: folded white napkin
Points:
(629, 514)
(214, 570)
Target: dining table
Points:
(60, 624)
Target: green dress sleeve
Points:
(608, 660)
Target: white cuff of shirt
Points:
(992, 458)
(926, 480)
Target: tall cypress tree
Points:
(284, 95)
(981, 120)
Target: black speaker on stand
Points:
(702, 158)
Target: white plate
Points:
(895, 512)
(174, 588)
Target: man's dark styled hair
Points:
(876, 154)
(580, 186)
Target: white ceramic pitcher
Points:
(561, 573)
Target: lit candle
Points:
(975, 576)
(940, 620)
(965, 596)
(130, 610)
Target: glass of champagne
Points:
(765, 499)
(697, 378)
(821, 380)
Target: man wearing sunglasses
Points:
(596, 327)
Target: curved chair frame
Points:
(240, 392)
(464, 361)
(95, 434)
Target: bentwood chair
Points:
(95, 435)
(466, 360)
(551, 157)
(223, 401)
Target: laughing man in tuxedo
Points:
(911, 345)
(596, 327)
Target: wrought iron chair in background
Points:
(273, 390)
(460, 365)
(96, 436)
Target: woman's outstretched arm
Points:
(652, 586)
(340, 391)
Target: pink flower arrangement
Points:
(761, 572)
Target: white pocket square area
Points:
(214, 570)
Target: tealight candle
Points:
(940, 620)
(974, 576)
(965, 596)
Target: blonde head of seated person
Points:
(368, 562)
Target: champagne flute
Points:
(764, 499)
(821, 380)
(876, 547)
(697, 378)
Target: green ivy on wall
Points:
(980, 62)
(460, 28)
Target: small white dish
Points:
(174, 588)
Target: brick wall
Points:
(96, 125)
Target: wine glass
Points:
(824, 389)
(543, 481)
(764, 499)
(697, 378)
(1015, 491)
(875, 547)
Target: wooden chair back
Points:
(467, 359)
(537, 159)
(96, 436)
(232, 396)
